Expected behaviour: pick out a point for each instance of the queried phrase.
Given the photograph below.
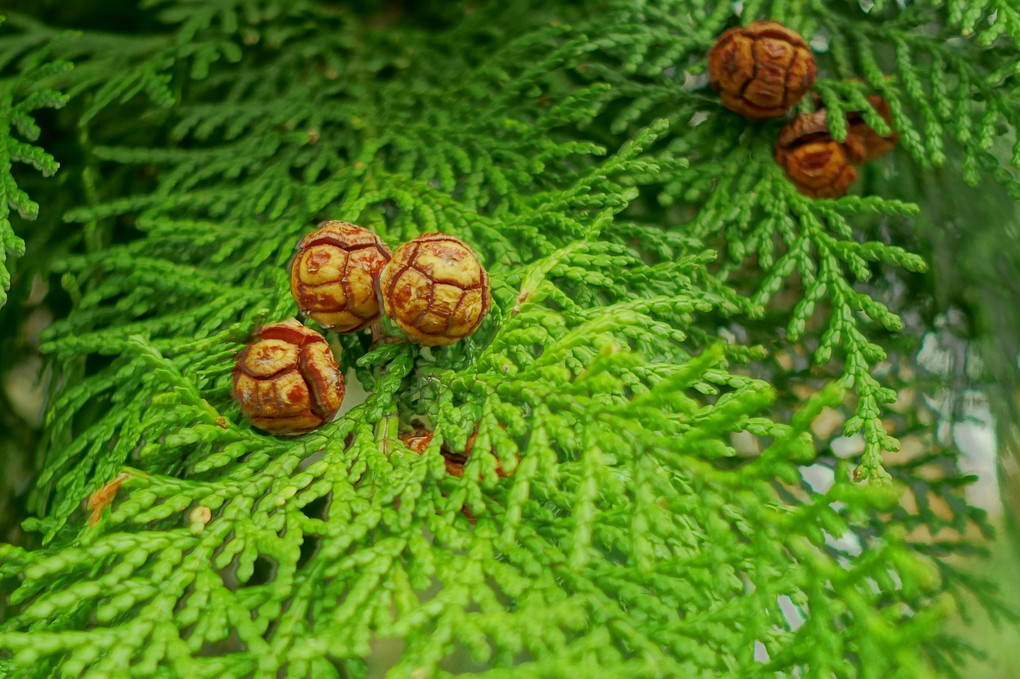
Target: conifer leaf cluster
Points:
(20, 97)
(649, 261)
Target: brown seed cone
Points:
(874, 144)
(761, 70)
(333, 276)
(817, 164)
(418, 441)
(287, 381)
(455, 461)
(435, 290)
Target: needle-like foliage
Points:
(20, 96)
(649, 262)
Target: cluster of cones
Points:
(822, 167)
(343, 276)
(762, 70)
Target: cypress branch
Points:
(650, 263)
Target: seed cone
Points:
(287, 380)
(818, 165)
(761, 70)
(875, 145)
(435, 290)
(333, 276)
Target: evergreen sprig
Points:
(641, 244)
(20, 96)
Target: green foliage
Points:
(630, 226)
(20, 95)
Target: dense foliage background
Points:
(727, 461)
